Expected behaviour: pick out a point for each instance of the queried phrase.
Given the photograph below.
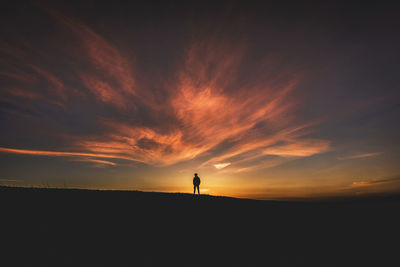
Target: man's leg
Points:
(198, 189)
(194, 191)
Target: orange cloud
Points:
(207, 114)
(375, 182)
(211, 112)
(64, 154)
(248, 150)
(300, 148)
(362, 155)
(144, 144)
(56, 83)
(14, 94)
(115, 81)
(103, 90)
(24, 93)
(102, 162)
(247, 165)
(100, 66)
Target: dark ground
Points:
(55, 227)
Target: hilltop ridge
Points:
(72, 227)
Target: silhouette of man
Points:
(196, 183)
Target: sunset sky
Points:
(274, 100)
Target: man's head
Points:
(195, 174)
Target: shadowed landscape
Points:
(70, 227)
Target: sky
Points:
(263, 99)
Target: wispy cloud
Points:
(214, 111)
(56, 84)
(299, 148)
(110, 80)
(98, 161)
(64, 154)
(360, 156)
(221, 165)
(375, 182)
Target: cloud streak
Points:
(362, 155)
(221, 165)
(375, 182)
(97, 161)
(65, 154)
(110, 79)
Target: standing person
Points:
(196, 183)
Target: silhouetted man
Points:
(196, 183)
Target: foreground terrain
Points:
(65, 227)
